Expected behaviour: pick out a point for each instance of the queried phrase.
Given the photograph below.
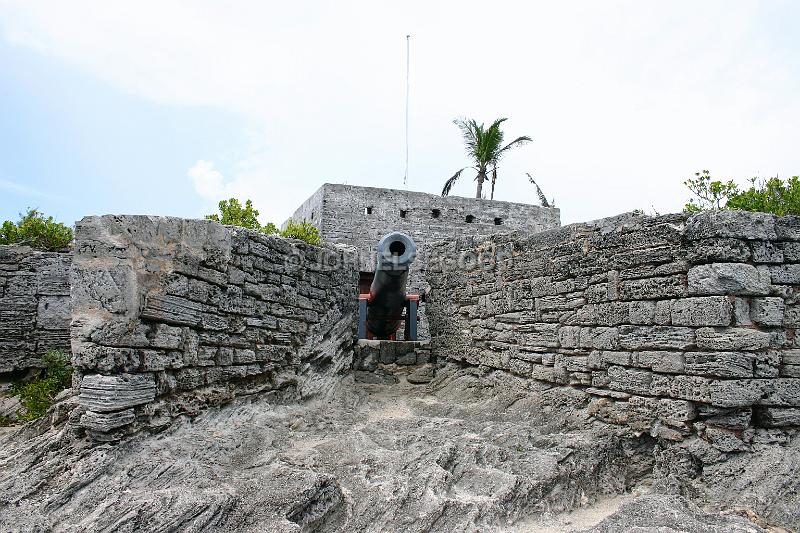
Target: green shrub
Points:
(304, 231)
(37, 394)
(233, 214)
(769, 196)
(709, 193)
(33, 229)
(5, 421)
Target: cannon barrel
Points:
(387, 294)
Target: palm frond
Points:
(542, 198)
(452, 181)
(519, 141)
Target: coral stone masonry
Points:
(671, 325)
(173, 315)
(34, 306)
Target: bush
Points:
(769, 196)
(765, 196)
(37, 394)
(304, 231)
(33, 229)
(709, 194)
(233, 214)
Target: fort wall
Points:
(171, 316)
(34, 306)
(670, 325)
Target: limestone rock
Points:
(114, 393)
(728, 278)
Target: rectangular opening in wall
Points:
(403, 213)
(368, 210)
(498, 221)
(470, 219)
(365, 281)
(435, 213)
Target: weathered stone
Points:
(732, 224)
(105, 422)
(642, 312)
(653, 288)
(600, 338)
(728, 278)
(628, 380)
(785, 274)
(732, 339)
(719, 364)
(767, 311)
(655, 337)
(114, 393)
(736, 392)
(668, 362)
(772, 417)
(702, 311)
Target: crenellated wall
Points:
(671, 325)
(34, 306)
(173, 315)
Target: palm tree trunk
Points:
(494, 179)
(481, 178)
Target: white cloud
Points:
(207, 181)
(624, 100)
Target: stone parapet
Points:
(670, 324)
(34, 306)
(172, 315)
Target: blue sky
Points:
(167, 107)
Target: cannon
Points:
(381, 310)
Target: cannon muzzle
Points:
(387, 294)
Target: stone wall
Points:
(360, 216)
(34, 306)
(173, 315)
(671, 325)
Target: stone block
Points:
(104, 394)
(612, 313)
(785, 274)
(105, 422)
(731, 224)
(766, 252)
(767, 311)
(53, 312)
(787, 228)
(693, 388)
(781, 392)
(600, 338)
(629, 380)
(718, 250)
(655, 337)
(732, 339)
(674, 411)
(172, 310)
(719, 364)
(667, 362)
(702, 311)
(569, 336)
(776, 417)
(190, 378)
(741, 312)
(728, 279)
(663, 316)
(653, 288)
(642, 312)
(737, 392)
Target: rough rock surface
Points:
(473, 450)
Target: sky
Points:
(167, 107)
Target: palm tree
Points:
(485, 148)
